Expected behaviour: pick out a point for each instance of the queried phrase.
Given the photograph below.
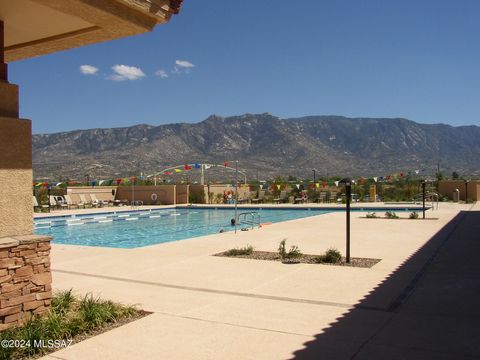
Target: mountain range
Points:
(264, 145)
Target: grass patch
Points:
(69, 317)
(247, 250)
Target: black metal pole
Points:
(314, 178)
(348, 188)
(48, 194)
(466, 191)
(423, 197)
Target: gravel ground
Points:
(305, 258)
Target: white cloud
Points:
(161, 74)
(88, 69)
(182, 67)
(184, 64)
(125, 72)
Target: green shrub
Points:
(62, 301)
(32, 332)
(247, 250)
(413, 215)
(55, 326)
(94, 312)
(391, 215)
(371, 215)
(67, 317)
(331, 256)
(293, 253)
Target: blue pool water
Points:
(143, 228)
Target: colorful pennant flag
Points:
(337, 182)
(178, 170)
(198, 166)
(226, 164)
(207, 166)
(168, 173)
(188, 167)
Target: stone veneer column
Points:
(25, 278)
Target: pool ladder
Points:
(250, 218)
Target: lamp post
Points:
(314, 178)
(348, 191)
(466, 191)
(236, 194)
(423, 196)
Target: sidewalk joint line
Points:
(213, 291)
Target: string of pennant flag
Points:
(187, 167)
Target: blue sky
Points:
(373, 58)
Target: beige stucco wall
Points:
(215, 189)
(181, 196)
(16, 203)
(447, 187)
(165, 194)
(8, 100)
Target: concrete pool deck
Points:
(207, 307)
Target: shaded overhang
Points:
(39, 27)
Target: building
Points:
(30, 28)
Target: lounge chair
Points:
(61, 203)
(70, 203)
(53, 202)
(84, 201)
(244, 199)
(36, 205)
(322, 197)
(302, 198)
(98, 203)
(261, 196)
(281, 198)
(333, 196)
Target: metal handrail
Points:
(429, 196)
(252, 220)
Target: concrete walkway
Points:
(418, 302)
(435, 317)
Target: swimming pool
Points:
(142, 228)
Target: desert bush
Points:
(293, 253)
(413, 215)
(331, 256)
(391, 215)
(247, 250)
(371, 215)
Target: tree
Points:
(455, 175)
